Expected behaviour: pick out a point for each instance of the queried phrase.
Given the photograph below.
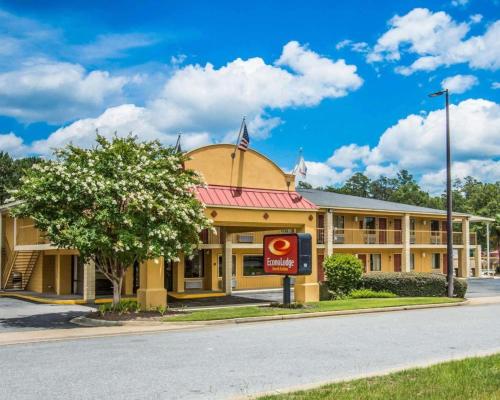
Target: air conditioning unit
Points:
(245, 238)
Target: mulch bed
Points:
(139, 316)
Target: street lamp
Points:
(449, 202)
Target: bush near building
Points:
(412, 284)
(343, 274)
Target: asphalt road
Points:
(481, 287)
(19, 315)
(232, 360)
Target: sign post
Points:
(288, 254)
(287, 295)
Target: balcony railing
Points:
(207, 236)
(388, 236)
(367, 236)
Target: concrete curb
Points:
(92, 322)
(247, 320)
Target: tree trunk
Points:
(117, 290)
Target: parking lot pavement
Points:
(483, 287)
(19, 315)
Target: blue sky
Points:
(347, 81)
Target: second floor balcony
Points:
(390, 237)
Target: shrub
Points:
(370, 294)
(410, 284)
(343, 274)
(324, 292)
(123, 307)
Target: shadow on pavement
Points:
(44, 321)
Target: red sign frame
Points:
(281, 254)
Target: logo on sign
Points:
(280, 254)
(279, 246)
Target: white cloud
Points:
(12, 144)
(321, 174)
(358, 47)
(56, 92)
(459, 83)
(476, 18)
(495, 85)
(113, 45)
(436, 40)
(484, 170)
(458, 3)
(204, 97)
(203, 102)
(417, 143)
(348, 156)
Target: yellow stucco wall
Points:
(248, 169)
(35, 284)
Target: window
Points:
(220, 265)
(338, 221)
(412, 261)
(435, 226)
(338, 229)
(375, 262)
(412, 231)
(253, 265)
(193, 268)
(436, 261)
(369, 223)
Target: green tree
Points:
(120, 202)
(11, 172)
(356, 185)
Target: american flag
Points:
(245, 139)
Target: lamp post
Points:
(449, 202)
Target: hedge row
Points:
(413, 284)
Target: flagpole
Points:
(233, 155)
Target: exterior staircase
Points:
(20, 268)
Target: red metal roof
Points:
(226, 196)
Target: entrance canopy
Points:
(226, 196)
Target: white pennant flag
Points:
(301, 168)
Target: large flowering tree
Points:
(120, 202)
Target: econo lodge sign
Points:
(287, 254)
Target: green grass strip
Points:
(469, 379)
(333, 305)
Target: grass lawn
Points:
(333, 305)
(469, 379)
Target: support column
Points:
(152, 292)
(227, 264)
(179, 274)
(464, 269)
(487, 248)
(63, 274)
(307, 287)
(477, 260)
(1, 251)
(214, 271)
(406, 259)
(89, 281)
(329, 233)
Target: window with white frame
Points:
(436, 261)
(375, 262)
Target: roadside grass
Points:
(331, 305)
(472, 378)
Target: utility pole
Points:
(449, 200)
